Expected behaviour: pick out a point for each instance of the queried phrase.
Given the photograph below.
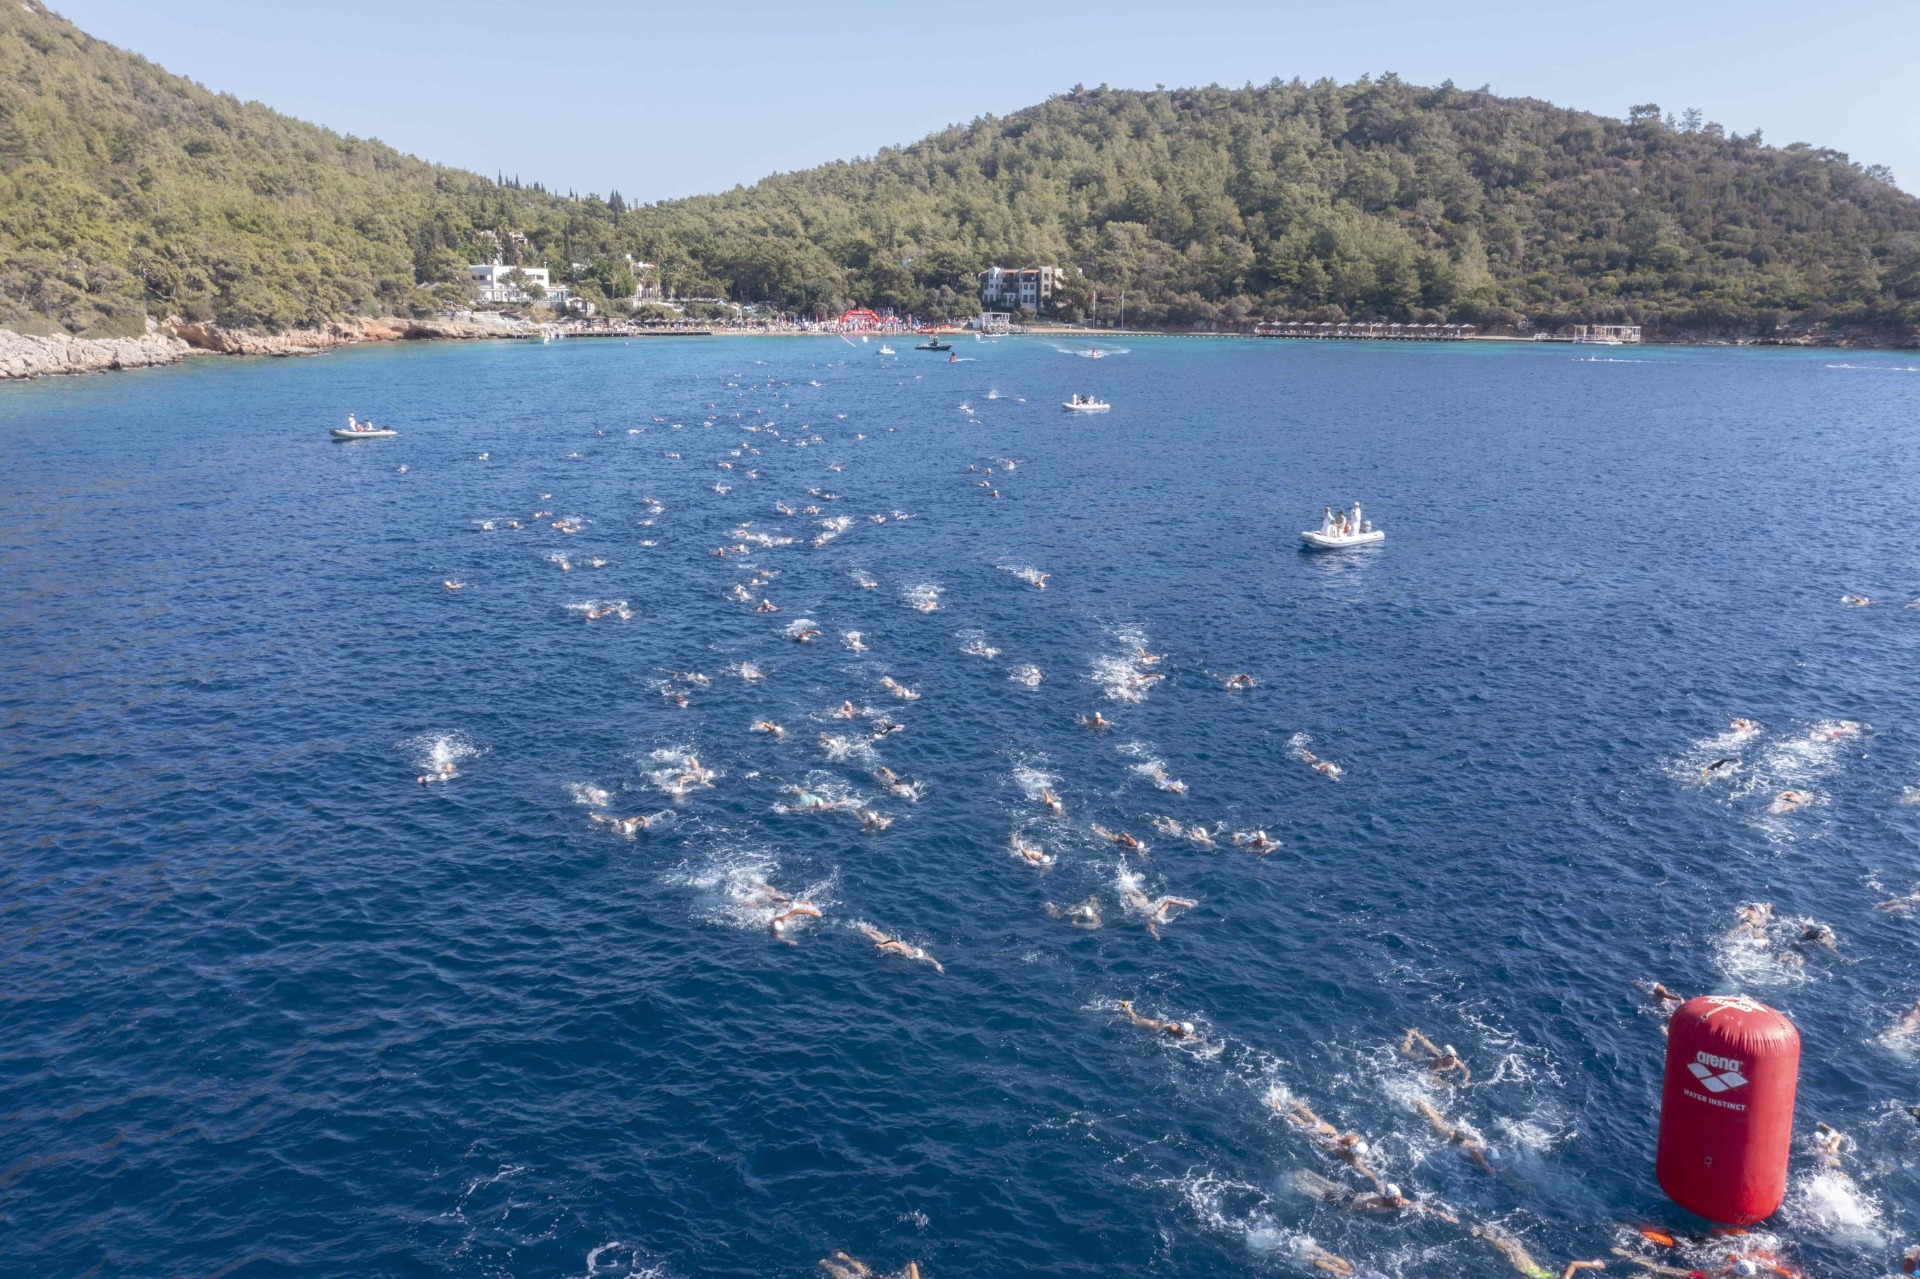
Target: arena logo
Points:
(1717, 1074)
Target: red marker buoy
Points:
(1726, 1110)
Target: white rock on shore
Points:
(22, 356)
(175, 339)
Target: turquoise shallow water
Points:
(271, 1007)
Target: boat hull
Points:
(1086, 408)
(1319, 541)
(342, 433)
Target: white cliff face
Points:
(24, 357)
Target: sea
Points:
(329, 944)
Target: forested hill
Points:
(1376, 199)
(127, 191)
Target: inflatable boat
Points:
(1337, 541)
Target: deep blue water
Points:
(269, 1007)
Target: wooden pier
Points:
(1379, 332)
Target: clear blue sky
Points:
(663, 100)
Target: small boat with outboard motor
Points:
(1339, 530)
(934, 344)
(1085, 404)
(362, 431)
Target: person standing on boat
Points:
(1358, 527)
(1326, 519)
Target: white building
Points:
(491, 278)
(1009, 289)
(1605, 333)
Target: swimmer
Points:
(1754, 918)
(1348, 1147)
(1459, 1135)
(771, 729)
(872, 820)
(1097, 722)
(628, 826)
(1149, 659)
(1051, 802)
(1662, 998)
(884, 726)
(1650, 1269)
(1390, 1199)
(443, 772)
(1815, 936)
(1172, 1029)
(1855, 601)
(844, 711)
(1320, 1259)
(1727, 761)
(452, 585)
(898, 689)
(1899, 905)
(1829, 1143)
(894, 946)
(1158, 911)
(595, 614)
(806, 636)
(766, 606)
(1383, 1201)
(1909, 1024)
(1445, 1061)
(1255, 840)
(1236, 683)
(1744, 727)
(1789, 800)
(1118, 838)
(1031, 854)
(1519, 1258)
(1085, 914)
(909, 791)
(777, 926)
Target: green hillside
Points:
(125, 190)
(1378, 199)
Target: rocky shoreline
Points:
(173, 340)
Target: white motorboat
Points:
(363, 433)
(1336, 541)
(1089, 405)
(885, 349)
